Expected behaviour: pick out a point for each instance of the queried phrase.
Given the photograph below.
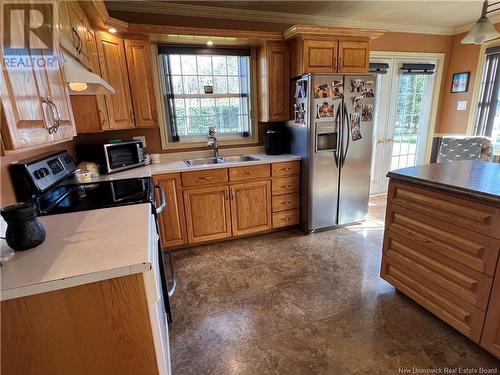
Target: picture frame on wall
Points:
(460, 82)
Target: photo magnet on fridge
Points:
(367, 112)
(357, 85)
(299, 113)
(354, 125)
(337, 90)
(321, 91)
(301, 89)
(325, 110)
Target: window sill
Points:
(202, 144)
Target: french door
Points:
(403, 103)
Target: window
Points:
(207, 87)
(488, 119)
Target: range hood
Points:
(83, 82)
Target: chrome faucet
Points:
(212, 142)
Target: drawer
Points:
(252, 172)
(286, 185)
(438, 271)
(285, 218)
(467, 214)
(205, 177)
(461, 245)
(461, 315)
(285, 169)
(285, 202)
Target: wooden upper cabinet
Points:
(274, 82)
(73, 26)
(353, 57)
(113, 65)
(172, 219)
(320, 56)
(207, 213)
(141, 82)
(251, 207)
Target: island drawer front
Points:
(285, 218)
(461, 315)
(286, 185)
(251, 172)
(285, 202)
(438, 271)
(285, 169)
(204, 177)
(458, 244)
(465, 213)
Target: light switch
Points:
(461, 105)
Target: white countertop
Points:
(172, 166)
(81, 247)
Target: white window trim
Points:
(201, 142)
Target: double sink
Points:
(219, 160)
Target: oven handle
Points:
(163, 202)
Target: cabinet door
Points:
(278, 57)
(354, 57)
(251, 207)
(490, 339)
(67, 37)
(320, 56)
(141, 82)
(79, 28)
(207, 213)
(114, 70)
(172, 220)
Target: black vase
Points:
(24, 231)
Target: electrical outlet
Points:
(461, 105)
(140, 138)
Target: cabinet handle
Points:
(132, 117)
(205, 178)
(103, 119)
(335, 62)
(286, 219)
(225, 195)
(232, 195)
(286, 202)
(286, 186)
(154, 116)
(79, 45)
(56, 118)
(285, 169)
(340, 62)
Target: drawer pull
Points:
(205, 178)
(286, 202)
(286, 186)
(286, 219)
(285, 169)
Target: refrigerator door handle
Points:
(337, 151)
(345, 121)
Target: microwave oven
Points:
(112, 157)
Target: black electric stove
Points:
(49, 182)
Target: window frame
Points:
(194, 142)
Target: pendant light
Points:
(483, 30)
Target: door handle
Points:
(52, 128)
(346, 123)
(389, 140)
(380, 140)
(163, 200)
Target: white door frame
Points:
(439, 57)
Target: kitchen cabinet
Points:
(353, 57)
(320, 56)
(207, 213)
(73, 27)
(33, 101)
(251, 207)
(274, 82)
(172, 220)
(111, 50)
(285, 187)
(140, 75)
(491, 331)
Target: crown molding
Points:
(326, 31)
(181, 9)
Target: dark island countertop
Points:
(477, 179)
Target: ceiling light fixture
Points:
(483, 30)
(210, 43)
(112, 30)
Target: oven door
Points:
(125, 155)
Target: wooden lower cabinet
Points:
(172, 220)
(208, 214)
(491, 331)
(251, 207)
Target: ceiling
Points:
(433, 17)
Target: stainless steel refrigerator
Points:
(332, 131)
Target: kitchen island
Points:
(442, 242)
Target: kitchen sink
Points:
(203, 161)
(221, 159)
(238, 158)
